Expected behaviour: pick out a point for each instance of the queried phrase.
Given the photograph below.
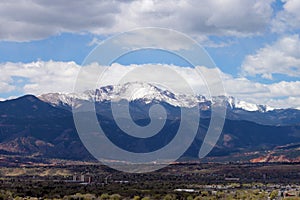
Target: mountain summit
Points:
(147, 93)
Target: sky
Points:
(255, 44)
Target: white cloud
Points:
(5, 87)
(288, 102)
(285, 88)
(230, 17)
(44, 77)
(282, 94)
(167, 76)
(155, 38)
(277, 95)
(95, 41)
(289, 18)
(282, 57)
(30, 20)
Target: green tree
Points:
(170, 197)
(190, 197)
(274, 194)
(136, 198)
(115, 197)
(104, 196)
(204, 193)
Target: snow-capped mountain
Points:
(239, 104)
(129, 91)
(147, 93)
(34, 128)
(253, 107)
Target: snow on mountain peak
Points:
(129, 91)
(252, 107)
(234, 103)
(146, 92)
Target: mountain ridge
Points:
(32, 127)
(131, 91)
(148, 93)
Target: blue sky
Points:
(61, 47)
(254, 43)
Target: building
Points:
(82, 178)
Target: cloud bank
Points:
(38, 77)
(44, 77)
(33, 20)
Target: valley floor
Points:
(178, 181)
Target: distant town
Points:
(177, 181)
